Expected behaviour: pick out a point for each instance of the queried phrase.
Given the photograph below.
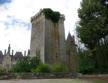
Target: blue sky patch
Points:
(5, 1)
(6, 25)
(16, 22)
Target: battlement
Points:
(40, 13)
(36, 15)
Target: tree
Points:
(93, 29)
(22, 66)
(27, 64)
(93, 24)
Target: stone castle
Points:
(48, 38)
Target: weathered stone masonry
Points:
(48, 38)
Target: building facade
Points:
(9, 58)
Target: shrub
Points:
(94, 64)
(85, 61)
(34, 62)
(1, 70)
(45, 68)
(26, 65)
(22, 66)
(42, 68)
(58, 68)
(86, 69)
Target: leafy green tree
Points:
(27, 64)
(102, 58)
(92, 30)
(22, 66)
(93, 24)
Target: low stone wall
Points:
(37, 76)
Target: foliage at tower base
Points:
(35, 65)
(92, 30)
(26, 65)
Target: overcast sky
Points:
(15, 15)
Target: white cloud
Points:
(18, 35)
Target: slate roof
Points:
(69, 37)
(18, 55)
(1, 57)
(1, 54)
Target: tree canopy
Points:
(93, 24)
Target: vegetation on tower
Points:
(52, 15)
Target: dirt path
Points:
(105, 78)
(51, 81)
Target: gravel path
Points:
(50, 81)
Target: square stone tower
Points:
(48, 38)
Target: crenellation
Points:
(62, 16)
(40, 14)
(36, 15)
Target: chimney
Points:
(24, 53)
(5, 52)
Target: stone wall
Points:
(55, 51)
(37, 36)
(7, 63)
(37, 76)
